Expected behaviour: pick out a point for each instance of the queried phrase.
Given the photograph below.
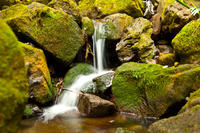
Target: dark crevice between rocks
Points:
(173, 109)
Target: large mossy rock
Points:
(68, 6)
(100, 8)
(136, 43)
(13, 81)
(187, 43)
(53, 30)
(74, 72)
(116, 24)
(149, 90)
(6, 3)
(40, 90)
(187, 122)
(88, 26)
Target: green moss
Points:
(27, 112)
(53, 30)
(13, 81)
(186, 43)
(74, 72)
(99, 8)
(149, 90)
(88, 26)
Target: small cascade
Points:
(68, 101)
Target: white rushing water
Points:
(68, 101)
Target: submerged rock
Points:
(53, 30)
(68, 6)
(116, 25)
(186, 43)
(149, 90)
(187, 122)
(13, 81)
(137, 44)
(100, 8)
(94, 106)
(38, 75)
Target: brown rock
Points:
(94, 106)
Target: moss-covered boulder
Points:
(7, 3)
(166, 59)
(136, 43)
(38, 74)
(174, 17)
(88, 26)
(149, 90)
(116, 24)
(187, 122)
(53, 30)
(100, 8)
(13, 80)
(187, 43)
(74, 72)
(68, 6)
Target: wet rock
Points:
(103, 82)
(137, 44)
(175, 16)
(149, 90)
(156, 21)
(68, 6)
(94, 106)
(116, 25)
(100, 8)
(88, 26)
(186, 43)
(40, 86)
(74, 72)
(32, 110)
(13, 81)
(53, 30)
(187, 122)
(166, 59)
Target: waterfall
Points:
(68, 101)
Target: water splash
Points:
(68, 101)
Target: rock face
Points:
(149, 90)
(100, 8)
(94, 106)
(136, 44)
(53, 30)
(186, 43)
(68, 6)
(175, 16)
(187, 122)
(74, 72)
(38, 74)
(13, 80)
(116, 25)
